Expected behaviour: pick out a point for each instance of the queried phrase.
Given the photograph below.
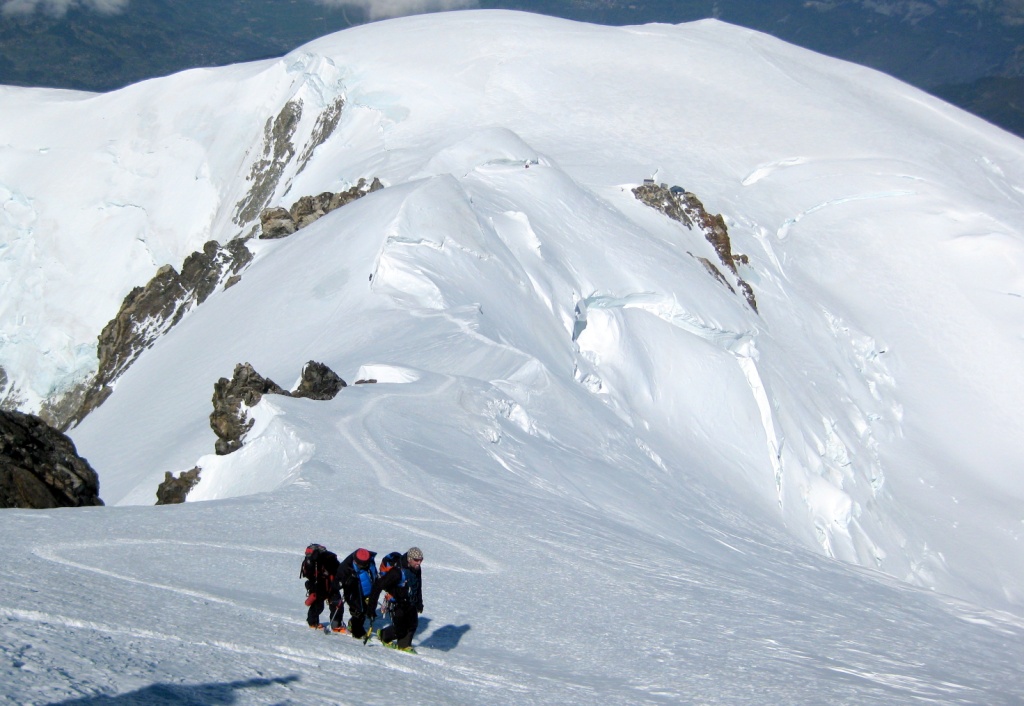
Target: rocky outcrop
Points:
(267, 170)
(10, 399)
(174, 489)
(325, 125)
(279, 150)
(150, 311)
(276, 223)
(318, 382)
(232, 399)
(279, 222)
(40, 467)
(684, 207)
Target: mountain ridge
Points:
(313, 76)
(590, 435)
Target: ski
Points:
(394, 646)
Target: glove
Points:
(310, 599)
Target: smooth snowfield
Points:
(629, 485)
(530, 598)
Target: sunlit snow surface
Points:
(628, 485)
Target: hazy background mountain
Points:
(969, 52)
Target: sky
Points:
(374, 9)
(626, 480)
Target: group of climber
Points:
(357, 582)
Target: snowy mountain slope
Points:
(530, 596)
(563, 382)
(100, 191)
(806, 397)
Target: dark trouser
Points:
(337, 611)
(357, 624)
(317, 606)
(404, 621)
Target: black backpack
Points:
(390, 561)
(317, 562)
(393, 562)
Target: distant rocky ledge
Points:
(281, 222)
(684, 207)
(231, 398)
(230, 419)
(149, 311)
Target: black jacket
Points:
(406, 594)
(350, 586)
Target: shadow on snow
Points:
(179, 694)
(445, 638)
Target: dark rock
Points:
(40, 467)
(59, 409)
(310, 208)
(318, 382)
(368, 381)
(265, 172)
(684, 207)
(279, 222)
(714, 271)
(231, 398)
(174, 489)
(356, 192)
(665, 200)
(276, 223)
(326, 123)
(150, 311)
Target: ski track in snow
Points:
(368, 448)
(423, 665)
(765, 170)
(284, 652)
(783, 231)
(53, 553)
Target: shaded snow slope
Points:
(563, 383)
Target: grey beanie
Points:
(415, 553)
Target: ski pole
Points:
(330, 624)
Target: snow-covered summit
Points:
(558, 365)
